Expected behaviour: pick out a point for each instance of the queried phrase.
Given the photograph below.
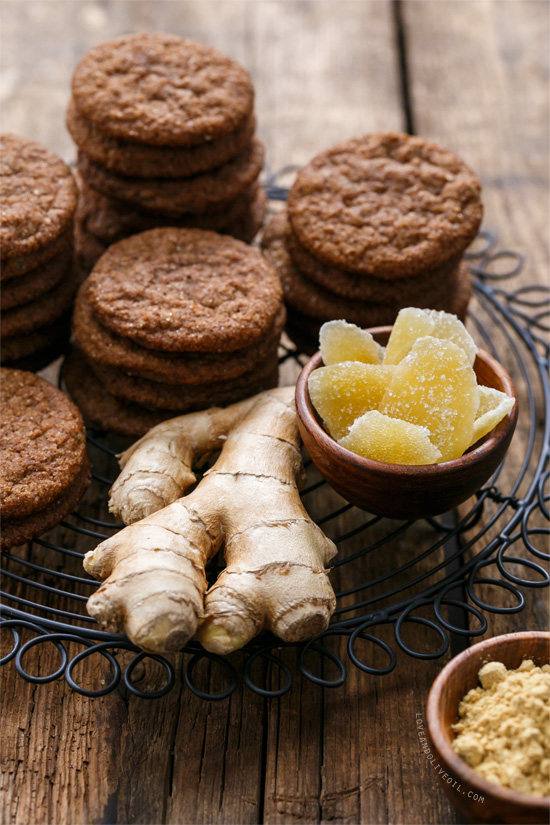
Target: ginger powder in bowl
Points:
(504, 728)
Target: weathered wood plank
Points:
(116, 759)
(487, 99)
(480, 88)
(217, 754)
(332, 74)
(323, 72)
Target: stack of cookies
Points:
(165, 130)
(45, 469)
(38, 198)
(373, 225)
(172, 320)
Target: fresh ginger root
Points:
(154, 588)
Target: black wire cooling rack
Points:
(432, 575)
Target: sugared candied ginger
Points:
(382, 438)
(434, 386)
(416, 402)
(340, 341)
(493, 406)
(412, 324)
(342, 392)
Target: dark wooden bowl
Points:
(397, 490)
(493, 803)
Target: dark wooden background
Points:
(472, 74)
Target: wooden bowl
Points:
(397, 490)
(476, 799)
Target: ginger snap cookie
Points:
(322, 305)
(156, 395)
(113, 414)
(112, 350)
(37, 195)
(185, 290)
(33, 350)
(126, 157)
(162, 90)
(100, 408)
(45, 469)
(17, 531)
(434, 283)
(174, 196)
(37, 282)
(388, 204)
(165, 131)
(42, 311)
(21, 265)
(110, 220)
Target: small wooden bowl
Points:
(397, 490)
(476, 799)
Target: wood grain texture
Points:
(323, 71)
(491, 106)
(480, 89)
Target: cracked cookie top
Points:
(181, 290)
(42, 443)
(386, 204)
(37, 196)
(162, 90)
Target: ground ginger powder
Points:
(504, 727)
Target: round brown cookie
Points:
(388, 205)
(106, 412)
(457, 302)
(178, 196)
(182, 290)
(110, 220)
(126, 157)
(87, 251)
(317, 302)
(105, 347)
(304, 331)
(89, 248)
(17, 531)
(154, 395)
(42, 443)
(251, 221)
(435, 283)
(36, 282)
(42, 311)
(22, 264)
(100, 408)
(38, 196)
(162, 90)
(33, 350)
(41, 358)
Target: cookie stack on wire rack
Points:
(373, 225)
(165, 129)
(38, 197)
(173, 320)
(45, 468)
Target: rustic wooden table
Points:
(471, 74)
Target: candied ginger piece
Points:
(340, 341)
(392, 440)
(493, 406)
(434, 386)
(342, 392)
(412, 323)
